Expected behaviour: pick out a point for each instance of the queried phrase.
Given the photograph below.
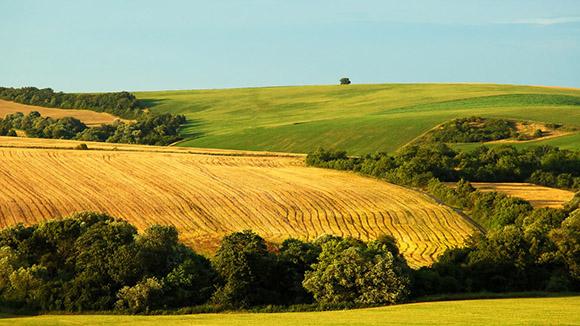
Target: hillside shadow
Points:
(151, 102)
(189, 130)
(194, 124)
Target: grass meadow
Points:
(356, 118)
(520, 311)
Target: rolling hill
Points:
(356, 118)
(207, 194)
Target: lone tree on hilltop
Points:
(345, 81)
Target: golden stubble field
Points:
(90, 118)
(538, 196)
(209, 193)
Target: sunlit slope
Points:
(357, 118)
(538, 196)
(206, 196)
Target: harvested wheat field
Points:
(538, 196)
(90, 118)
(208, 195)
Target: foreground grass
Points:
(356, 118)
(522, 311)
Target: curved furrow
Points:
(249, 220)
(207, 201)
(137, 177)
(208, 196)
(21, 186)
(265, 209)
(340, 226)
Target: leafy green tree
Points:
(351, 271)
(189, 283)
(25, 285)
(294, 259)
(8, 263)
(345, 81)
(536, 227)
(158, 249)
(500, 260)
(567, 240)
(141, 297)
(244, 266)
(94, 286)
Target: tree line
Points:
(148, 129)
(94, 262)
(121, 104)
(416, 165)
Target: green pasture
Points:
(356, 118)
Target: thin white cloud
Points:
(544, 21)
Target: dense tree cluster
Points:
(416, 165)
(96, 262)
(148, 129)
(122, 104)
(41, 127)
(532, 250)
(489, 209)
(473, 130)
(160, 129)
(523, 249)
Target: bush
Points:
(244, 266)
(141, 297)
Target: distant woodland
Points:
(149, 128)
(121, 104)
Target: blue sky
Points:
(106, 45)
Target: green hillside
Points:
(532, 311)
(357, 118)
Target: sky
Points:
(109, 45)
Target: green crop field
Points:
(523, 311)
(356, 118)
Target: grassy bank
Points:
(520, 311)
